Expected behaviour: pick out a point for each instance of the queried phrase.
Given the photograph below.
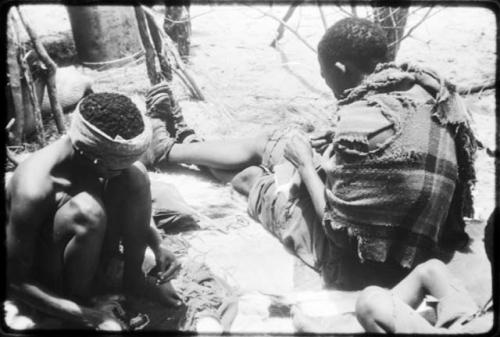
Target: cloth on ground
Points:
(169, 209)
(204, 293)
(114, 154)
(401, 199)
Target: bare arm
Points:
(299, 152)
(29, 207)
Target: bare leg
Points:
(79, 228)
(380, 311)
(128, 201)
(431, 277)
(221, 154)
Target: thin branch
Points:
(281, 28)
(322, 15)
(413, 28)
(344, 11)
(57, 110)
(286, 26)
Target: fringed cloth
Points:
(113, 154)
(403, 198)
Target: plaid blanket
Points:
(401, 196)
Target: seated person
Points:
(393, 180)
(393, 311)
(68, 206)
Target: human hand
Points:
(298, 151)
(166, 264)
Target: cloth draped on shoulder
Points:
(113, 153)
(404, 197)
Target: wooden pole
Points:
(33, 96)
(51, 78)
(14, 73)
(193, 87)
(154, 76)
(322, 15)
(165, 66)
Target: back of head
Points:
(358, 41)
(109, 129)
(112, 113)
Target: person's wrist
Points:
(305, 166)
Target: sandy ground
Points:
(251, 87)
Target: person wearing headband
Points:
(70, 204)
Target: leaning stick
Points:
(322, 15)
(193, 87)
(10, 155)
(57, 110)
(40, 132)
(287, 27)
(281, 28)
(153, 75)
(14, 73)
(165, 67)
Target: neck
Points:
(74, 164)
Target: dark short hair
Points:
(357, 40)
(112, 113)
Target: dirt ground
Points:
(250, 87)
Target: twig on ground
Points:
(57, 110)
(286, 26)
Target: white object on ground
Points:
(208, 324)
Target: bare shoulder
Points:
(31, 180)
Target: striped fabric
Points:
(397, 195)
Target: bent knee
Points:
(374, 302)
(88, 213)
(430, 269)
(245, 180)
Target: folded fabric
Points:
(114, 154)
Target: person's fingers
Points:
(170, 294)
(170, 272)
